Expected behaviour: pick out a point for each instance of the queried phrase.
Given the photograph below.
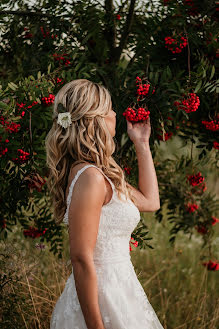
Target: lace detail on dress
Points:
(68, 201)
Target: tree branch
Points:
(24, 13)
(110, 30)
(126, 31)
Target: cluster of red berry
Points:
(46, 34)
(191, 207)
(211, 266)
(27, 34)
(214, 220)
(22, 158)
(3, 223)
(167, 135)
(192, 9)
(216, 145)
(202, 227)
(10, 126)
(139, 114)
(34, 232)
(202, 187)
(175, 45)
(59, 81)
(22, 106)
(189, 103)
(127, 170)
(135, 243)
(143, 88)
(3, 149)
(35, 181)
(212, 125)
(62, 58)
(195, 180)
(118, 17)
(47, 101)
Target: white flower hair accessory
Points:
(64, 118)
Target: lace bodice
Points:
(117, 221)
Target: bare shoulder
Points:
(90, 182)
(141, 202)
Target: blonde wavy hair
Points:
(87, 140)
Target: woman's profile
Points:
(101, 210)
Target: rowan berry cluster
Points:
(189, 104)
(134, 242)
(3, 149)
(59, 81)
(27, 34)
(214, 220)
(212, 125)
(203, 227)
(22, 158)
(22, 106)
(10, 126)
(167, 136)
(62, 58)
(48, 101)
(192, 9)
(216, 145)
(195, 180)
(201, 188)
(175, 45)
(34, 232)
(191, 207)
(35, 182)
(212, 266)
(46, 34)
(3, 223)
(127, 170)
(139, 114)
(143, 89)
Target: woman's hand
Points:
(140, 131)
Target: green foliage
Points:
(50, 40)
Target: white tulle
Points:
(122, 300)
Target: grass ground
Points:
(182, 292)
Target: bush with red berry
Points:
(161, 66)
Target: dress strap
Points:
(73, 183)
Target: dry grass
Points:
(182, 292)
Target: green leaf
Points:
(198, 86)
(212, 72)
(49, 68)
(169, 73)
(12, 85)
(3, 105)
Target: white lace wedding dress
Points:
(122, 300)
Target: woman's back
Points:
(122, 300)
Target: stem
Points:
(24, 13)
(147, 66)
(189, 64)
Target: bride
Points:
(101, 210)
